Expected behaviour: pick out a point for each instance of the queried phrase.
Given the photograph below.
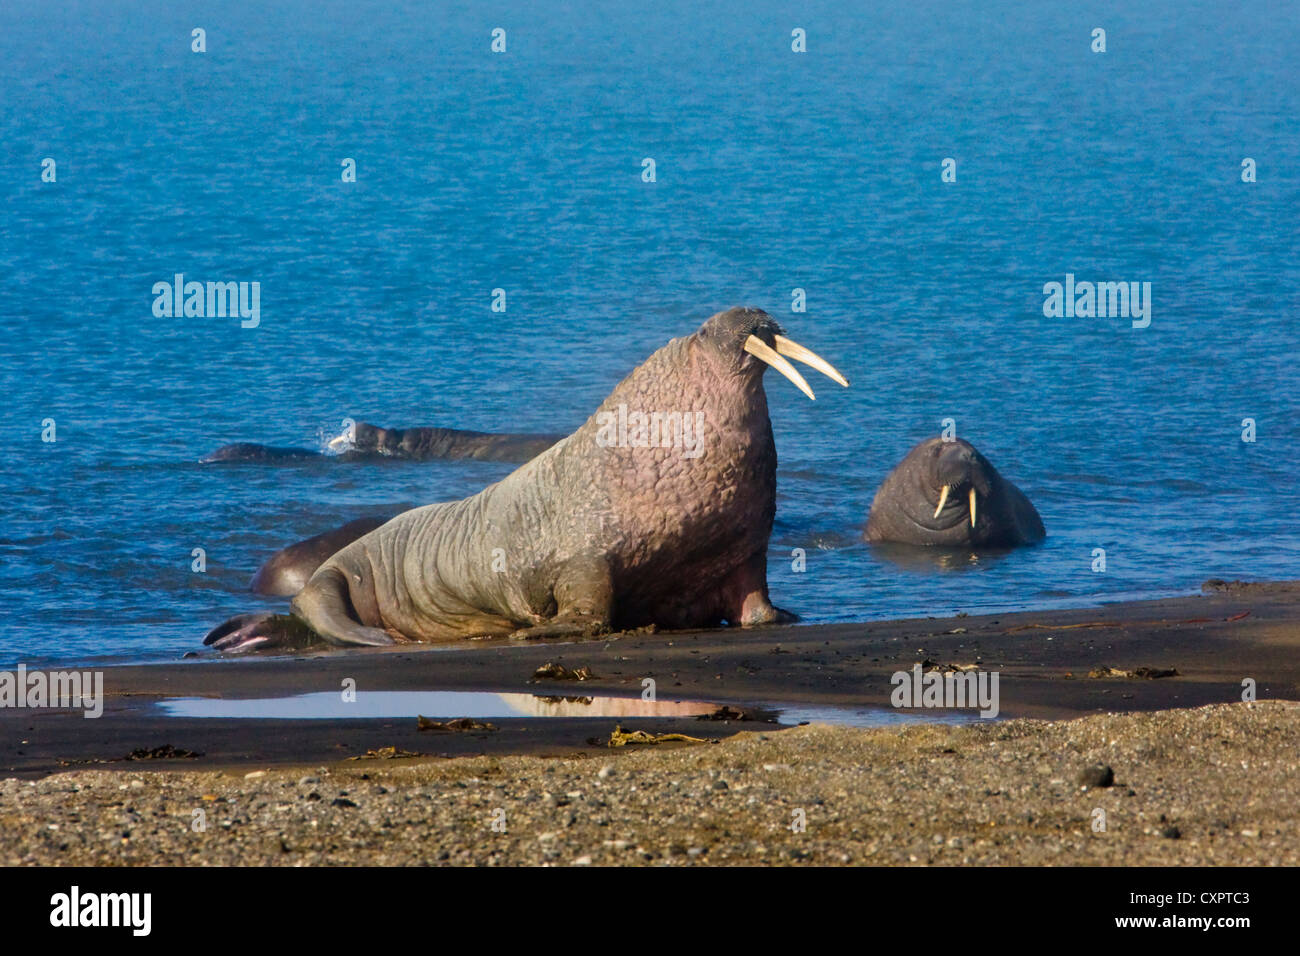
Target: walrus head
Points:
(944, 493)
(960, 473)
(739, 336)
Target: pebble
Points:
(1097, 775)
(870, 796)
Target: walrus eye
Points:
(764, 352)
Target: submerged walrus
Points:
(288, 570)
(946, 494)
(656, 511)
(366, 442)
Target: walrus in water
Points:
(656, 511)
(946, 494)
(250, 452)
(366, 442)
(288, 570)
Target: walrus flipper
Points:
(744, 598)
(584, 601)
(326, 608)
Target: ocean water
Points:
(522, 171)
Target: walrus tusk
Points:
(339, 441)
(972, 507)
(943, 499)
(761, 350)
(792, 349)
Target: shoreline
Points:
(198, 653)
(1199, 777)
(1213, 640)
(1013, 793)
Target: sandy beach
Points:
(1196, 775)
(1209, 785)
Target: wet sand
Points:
(1213, 640)
(1224, 777)
(1214, 785)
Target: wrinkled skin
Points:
(585, 537)
(903, 509)
(288, 570)
(411, 444)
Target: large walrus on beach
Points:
(946, 494)
(363, 442)
(656, 511)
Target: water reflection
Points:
(330, 705)
(918, 558)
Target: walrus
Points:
(250, 452)
(656, 511)
(287, 571)
(944, 493)
(365, 442)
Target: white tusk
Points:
(799, 353)
(340, 441)
(943, 499)
(761, 350)
(972, 507)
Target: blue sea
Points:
(522, 170)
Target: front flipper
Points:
(258, 632)
(745, 601)
(584, 601)
(577, 625)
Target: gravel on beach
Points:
(1212, 785)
